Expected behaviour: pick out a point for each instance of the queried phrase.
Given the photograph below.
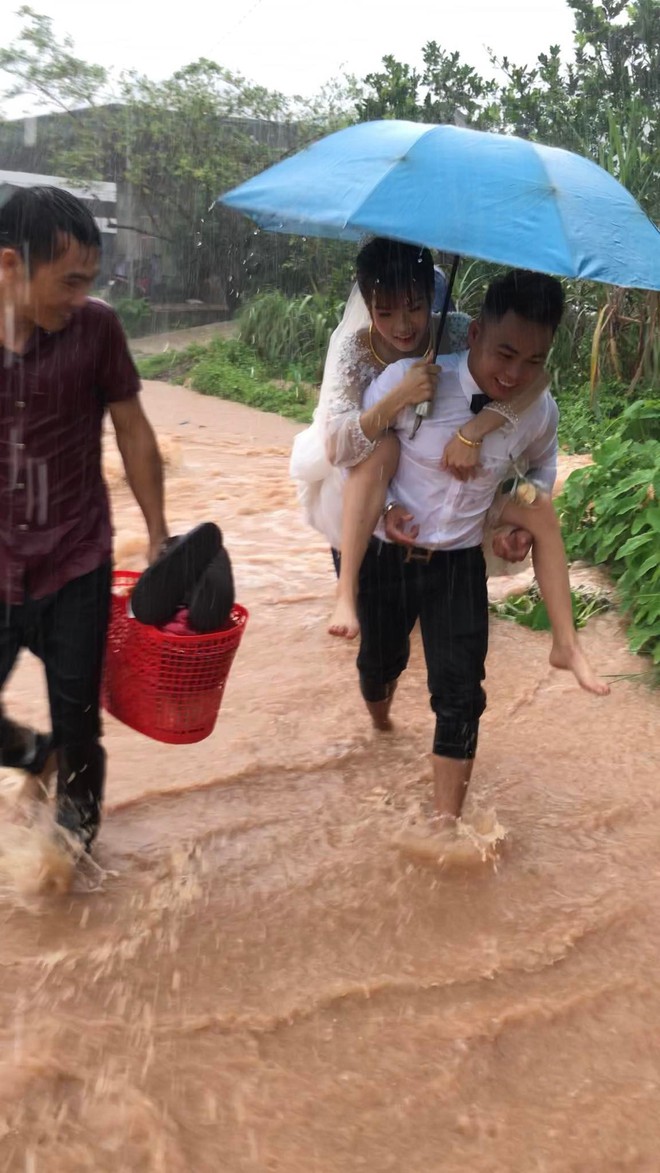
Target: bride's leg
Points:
(364, 498)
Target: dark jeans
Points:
(67, 632)
(449, 597)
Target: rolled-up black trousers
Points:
(67, 631)
(448, 594)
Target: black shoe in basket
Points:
(213, 597)
(168, 583)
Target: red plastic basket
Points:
(167, 686)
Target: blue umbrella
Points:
(495, 197)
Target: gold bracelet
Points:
(468, 443)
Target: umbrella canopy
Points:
(491, 196)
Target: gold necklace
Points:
(381, 361)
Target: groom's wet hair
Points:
(41, 222)
(394, 269)
(536, 297)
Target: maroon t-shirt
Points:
(54, 511)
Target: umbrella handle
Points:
(421, 412)
(419, 417)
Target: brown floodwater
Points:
(253, 978)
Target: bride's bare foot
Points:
(344, 622)
(573, 660)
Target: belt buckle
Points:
(418, 554)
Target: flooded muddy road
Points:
(254, 979)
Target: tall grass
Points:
(290, 335)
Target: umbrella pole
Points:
(445, 308)
(421, 411)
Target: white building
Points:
(100, 197)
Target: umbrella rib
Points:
(382, 178)
(558, 203)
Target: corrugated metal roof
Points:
(94, 190)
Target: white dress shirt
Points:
(451, 514)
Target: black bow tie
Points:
(479, 401)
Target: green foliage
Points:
(46, 68)
(172, 366)
(611, 515)
(183, 141)
(472, 280)
(308, 265)
(603, 103)
(174, 145)
(392, 93)
(446, 90)
(231, 370)
(583, 424)
(529, 610)
(134, 314)
(290, 333)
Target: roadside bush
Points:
(134, 314)
(230, 370)
(583, 425)
(610, 513)
(290, 335)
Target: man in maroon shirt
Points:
(63, 361)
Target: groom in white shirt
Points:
(426, 560)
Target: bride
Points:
(344, 461)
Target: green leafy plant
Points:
(610, 513)
(583, 424)
(529, 610)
